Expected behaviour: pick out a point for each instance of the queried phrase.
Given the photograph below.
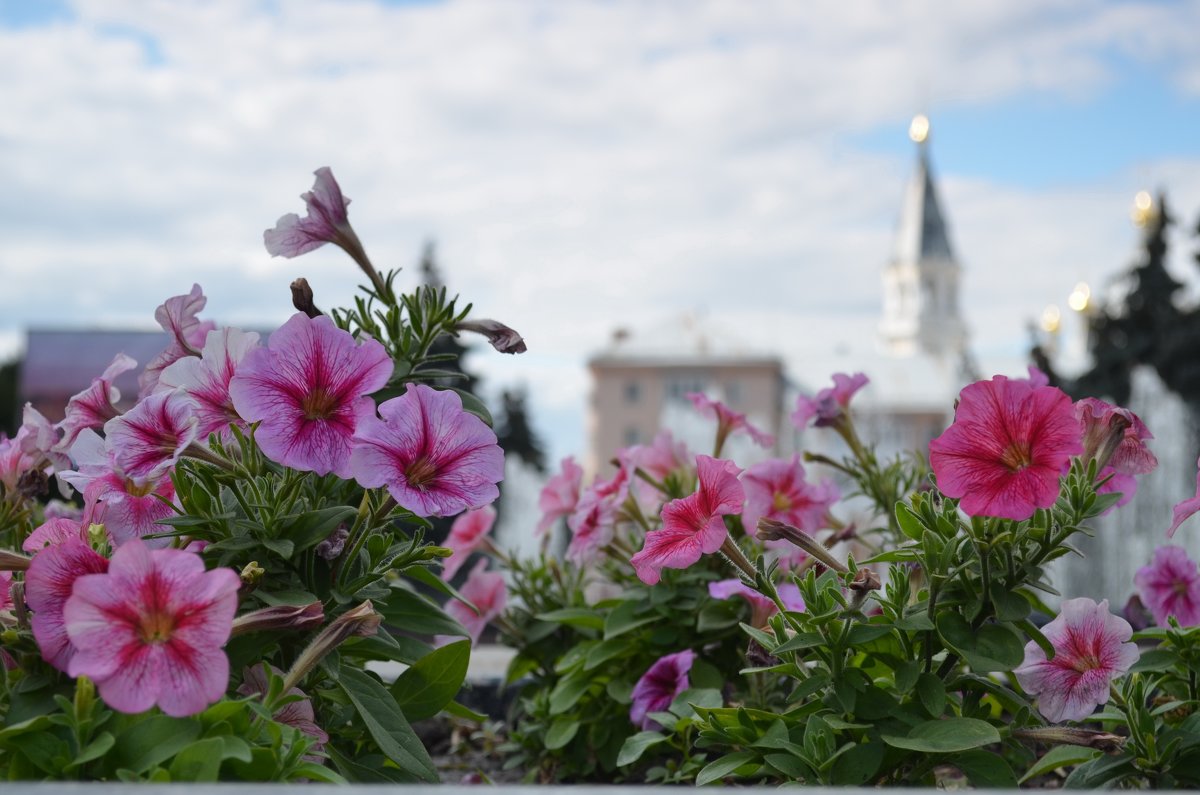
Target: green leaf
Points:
(414, 613)
(625, 617)
(580, 617)
(992, 647)
(95, 749)
(858, 765)
(909, 523)
(636, 745)
(387, 725)
(200, 761)
(1156, 660)
(561, 732)
(459, 711)
(604, 651)
(568, 691)
(152, 741)
(312, 527)
(474, 405)
(985, 769)
(433, 682)
(932, 693)
(1060, 756)
(724, 766)
(946, 736)
(1010, 605)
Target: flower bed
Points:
(247, 539)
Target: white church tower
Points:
(920, 284)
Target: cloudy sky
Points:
(584, 165)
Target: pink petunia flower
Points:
(777, 489)
(147, 440)
(178, 317)
(594, 519)
(48, 583)
(692, 526)
(14, 461)
(1116, 437)
(560, 495)
(325, 222)
(467, 534)
(6, 600)
(54, 531)
(658, 687)
(1185, 509)
(41, 439)
(1007, 447)
(728, 420)
(1170, 586)
(761, 608)
(435, 458)
(206, 379)
(487, 591)
(1091, 648)
(830, 404)
(1037, 377)
(309, 391)
(149, 631)
(95, 405)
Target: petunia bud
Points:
(361, 621)
(33, 483)
(772, 530)
(502, 338)
(298, 617)
(1060, 735)
(302, 297)
(13, 561)
(251, 575)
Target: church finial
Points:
(919, 129)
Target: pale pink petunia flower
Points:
(728, 420)
(761, 608)
(777, 489)
(178, 317)
(467, 534)
(148, 440)
(829, 405)
(694, 525)
(434, 456)
(658, 687)
(95, 405)
(1115, 436)
(594, 519)
(325, 222)
(560, 495)
(1006, 449)
(41, 439)
(1091, 648)
(54, 531)
(1170, 586)
(6, 600)
(309, 390)
(661, 459)
(48, 583)
(150, 630)
(484, 589)
(206, 379)
(14, 461)
(1186, 509)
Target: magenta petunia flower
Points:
(595, 517)
(1115, 436)
(1185, 509)
(761, 608)
(487, 591)
(1170, 586)
(309, 391)
(777, 489)
(149, 631)
(560, 495)
(728, 420)
(467, 534)
(692, 526)
(325, 222)
(48, 582)
(206, 379)
(435, 458)
(147, 440)
(1091, 648)
(95, 405)
(830, 404)
(658, 687)
(1037, 377)
(1007, 447)
(178, 317)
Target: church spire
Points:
(920, 308)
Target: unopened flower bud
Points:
(361, 621)
(772, 530)
(865, 580)
(251, 575)
(302, 298)
(85, 697)
(502, 338)
(297, 617)
(1059, 735)
(13, 561)
(97, 536)
(332, 547)
(20, 609)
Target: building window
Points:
(733, 392)
(678, 387)
(632, 436)
(633, 391)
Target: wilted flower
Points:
(14, 461)
(206, 379)
(1114, 437)
(309, 391)
(658, 687)
(501, 337)
(1170, 586)
(149, 631)
(487, 592)
(288, 617)
(148, 439)
(1006, 449)
(560, 495)
(778, 490)
(830, 404)
(728, 420)
(6, 600)
(466, 535)
(694, 525)
(41, 439)
(435, 458)
(1091, 648)
(48, 584)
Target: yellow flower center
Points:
(420, 472)
(156, 627)
(1017, 456)
(318, 404)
